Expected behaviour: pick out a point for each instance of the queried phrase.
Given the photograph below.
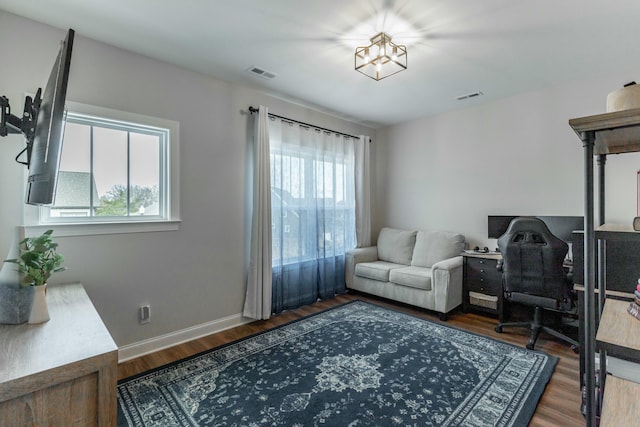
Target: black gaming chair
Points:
(532, 274)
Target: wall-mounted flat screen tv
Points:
(44, 156)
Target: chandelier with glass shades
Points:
(382, 58)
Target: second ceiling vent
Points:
(261, 72)
(469, 95)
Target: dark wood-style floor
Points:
(559, 405)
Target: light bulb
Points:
(366, 56)
(379, 67)
(394, 56)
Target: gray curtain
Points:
(363, 191)
(313, 212)
(257, 304)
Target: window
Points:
(312, 212)
(115, 168)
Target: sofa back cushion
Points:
(434, 246)
(396, 245)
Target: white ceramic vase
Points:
(39, 309)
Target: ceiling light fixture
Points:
(382, 58)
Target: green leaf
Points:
(38, 259)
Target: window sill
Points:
(97, 228)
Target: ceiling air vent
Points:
(261, 72)
(469, 95)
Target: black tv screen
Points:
(46, 149)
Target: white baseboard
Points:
(131, 351)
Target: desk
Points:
(62, 372)
(482, 283)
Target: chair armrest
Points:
(354, 256)
(446, 280)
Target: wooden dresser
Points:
(62, 372)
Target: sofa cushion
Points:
(376, 270)
(434, 246)
(396, 245)
(414, 277)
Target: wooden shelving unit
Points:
(619, 332)
(601, 135)
(620, 406)
(619, 335)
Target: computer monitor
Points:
(497, 225)
(561, 226)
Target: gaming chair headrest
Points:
(529, 230)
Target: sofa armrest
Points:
(446, 279)
(355, 256)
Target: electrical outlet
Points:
(145, 313)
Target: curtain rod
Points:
(255, 110)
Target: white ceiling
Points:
(499, 47)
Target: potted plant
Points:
(37, 261)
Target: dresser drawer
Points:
(482, 276)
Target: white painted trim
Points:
(98, 228)
(141, 348)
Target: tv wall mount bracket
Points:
(12, 124)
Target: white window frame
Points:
(37, 220)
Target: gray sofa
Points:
(421, 268)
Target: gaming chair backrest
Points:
(532, 260)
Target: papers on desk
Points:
(473, 252)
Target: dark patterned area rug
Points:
(354, 365)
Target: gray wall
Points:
(514, 156)
(191, 276)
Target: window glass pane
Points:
(76, 152)
(73, 198)
(145, 174)
(287, 174)
(110, 170)
(309, 207)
